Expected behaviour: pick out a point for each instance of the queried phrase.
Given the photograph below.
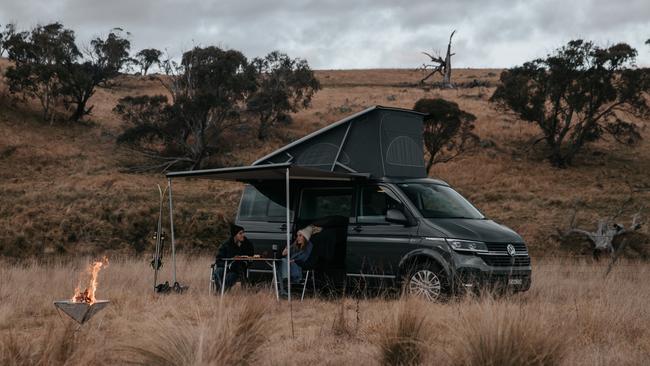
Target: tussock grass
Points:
(493, 333)
(57, 344)
(232, 338)
(341, 325)
(597, 321)
(403, 339)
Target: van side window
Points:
(319, 203)
(255, 206)
(375, 202)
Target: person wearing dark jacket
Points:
(236, 245)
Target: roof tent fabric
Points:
(380, 141)
(269, 172)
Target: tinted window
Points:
(375, 202)
(317, 203)
(255, 206)
(436, 201)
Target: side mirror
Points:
(396, 217)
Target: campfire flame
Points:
(88, 295)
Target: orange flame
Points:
(88, 295)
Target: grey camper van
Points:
(384, 222)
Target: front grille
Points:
(501, 247)
(506, 260)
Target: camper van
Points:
(392, 226)
(384, 221)
(419, 235)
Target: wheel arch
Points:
(423, 255)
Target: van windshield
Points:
(439, 202)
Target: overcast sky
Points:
(345, 34)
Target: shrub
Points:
(577, 95)
(447, 130)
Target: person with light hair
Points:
(301, 250)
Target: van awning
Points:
(265, 172)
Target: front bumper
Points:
(473, 271)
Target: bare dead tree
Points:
(606, 231)
(440, 65)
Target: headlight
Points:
(467, 245)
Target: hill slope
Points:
(62, 189)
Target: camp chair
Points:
(305, 281)
(214, 286)
(308, 272)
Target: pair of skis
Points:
(159, 237)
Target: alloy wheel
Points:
(425, 284)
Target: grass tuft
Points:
(233, 338)
(56, 345)
(403, 339)
(493, 333)
(341, 326)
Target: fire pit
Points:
(83, 304)
(81, 312)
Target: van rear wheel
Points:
(426, 281)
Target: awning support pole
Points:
(288, 208)
(171, 229)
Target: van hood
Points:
(475, 229)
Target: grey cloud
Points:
(352, 34)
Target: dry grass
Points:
(570, 316)
(233, 338)
(341, 326)
(490, 333)
(403, 340)
(58, 344)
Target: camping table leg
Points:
(223, 280)
(275, 281)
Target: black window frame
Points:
(385, 187)
(266, 218)
(349, 188)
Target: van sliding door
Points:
(330, 208)
(376, 246)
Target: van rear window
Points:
(255, 206)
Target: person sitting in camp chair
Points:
(236, 245)
(300, 251)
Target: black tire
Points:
(426, 280)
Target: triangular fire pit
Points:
(81, 312)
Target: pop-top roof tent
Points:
(379, 141)
(374, 143)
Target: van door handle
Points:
(283, 227)
(358, 228)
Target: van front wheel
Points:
(427, 282)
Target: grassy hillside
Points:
(62, 190)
